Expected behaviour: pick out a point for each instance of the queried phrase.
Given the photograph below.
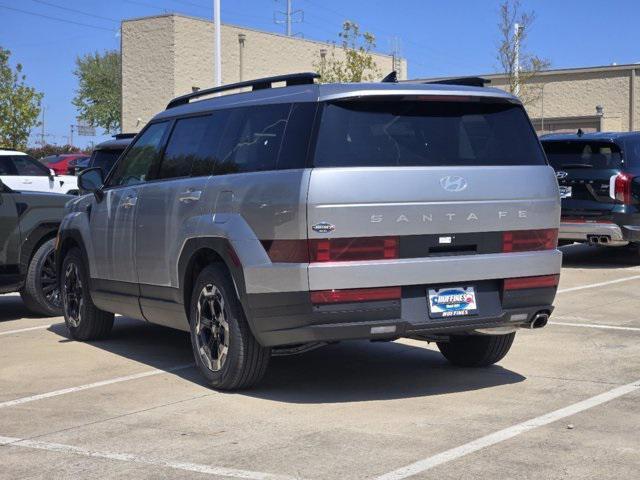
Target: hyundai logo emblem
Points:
(453, 183)
(560, 175)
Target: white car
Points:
(20, 172)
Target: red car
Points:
(62, 164)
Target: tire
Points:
(225, 350)
(40, 293)
(83, 319)
(476, 350)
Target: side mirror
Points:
(91, 180)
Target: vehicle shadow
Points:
(12, 308)
(585, 256)
(346, 372)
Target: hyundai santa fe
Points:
(283, 218)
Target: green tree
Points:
(19, 105)
(530, 65)
(356, 64)
(98, 97)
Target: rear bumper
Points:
(287, 319)
(584, 231)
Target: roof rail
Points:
(121, 136)
(465, 81)
(257, 84)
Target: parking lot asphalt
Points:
(564, 403)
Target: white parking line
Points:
(508, 433)
(590, 325)
(127, 457)
(41, 327)
(102, 383)
(601, 284)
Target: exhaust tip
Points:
(539, 320)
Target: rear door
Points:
(584, 169)
(440, 176)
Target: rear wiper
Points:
(577, 165)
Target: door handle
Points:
(129, 202)
(190, 196)
(27, 182)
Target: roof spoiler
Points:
(464, 81)
(305, 78)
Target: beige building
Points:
(169, 55)
(602, 98)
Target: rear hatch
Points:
(584, 169)
(439, 175)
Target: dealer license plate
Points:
(452, 302)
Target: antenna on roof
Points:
(579, 132)
(391, 78)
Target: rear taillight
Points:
(355, 295)
(332, 249)
(529, 240)
(353, 249)
(620, 188)
(522, 283)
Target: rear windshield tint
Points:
(384, 133)
(583, 154)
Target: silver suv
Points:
(279, 219)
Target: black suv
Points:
(29, 222)
(599, 178)
(105, 154)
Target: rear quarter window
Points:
(382, 133)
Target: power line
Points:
(76, 11)
(58, 19)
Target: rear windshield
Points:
(385, 133)
(582, 154)
(105, 159)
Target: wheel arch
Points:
(36, 237)
(67, 240)
(198, 253)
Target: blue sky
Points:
(438, 37)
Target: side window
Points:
(185, 147)
(297, 136)
(26, 165)
(6, 166)
(134, 168)
(252, 139)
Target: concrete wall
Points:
(572, 94)
(167, 56)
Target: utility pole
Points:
(516, 60)
(289, 17)
(217, 56)
(71, 135)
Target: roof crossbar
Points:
(304, 78)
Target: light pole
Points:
(516, 74)
(542, 114)
(217, 54)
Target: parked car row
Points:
(282, 220)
